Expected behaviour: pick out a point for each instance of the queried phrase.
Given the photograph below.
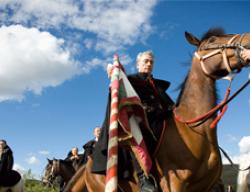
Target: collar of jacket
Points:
(162, 84)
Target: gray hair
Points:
(149, 52)
(3, 141)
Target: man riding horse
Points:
(6, 158)
(157, 105)
(8, 177)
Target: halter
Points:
(223, 105)
(55, 167)
(221, 49)
(50, 178)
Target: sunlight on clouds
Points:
(44, 152)
(31, 60)
(244, 145)
(96, 62)
(33, 160)
(235, 159)
(231, 137)
(115, 24)
(244, 156)
(19, 168)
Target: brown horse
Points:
(188, 159)
(57, 167)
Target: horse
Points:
(58, 167)
(13, 182)
(243, 180)
(188, 157)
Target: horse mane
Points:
(181, 87)
(216, 31)
(68, 163)
(75, 177)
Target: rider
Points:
(6, 159)
(156, 104)
(90, 145)
(73, 157)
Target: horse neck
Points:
(198, 95)
(65, 170)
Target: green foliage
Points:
(229, 177)
(34, 185)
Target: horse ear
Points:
(50, 161)
(192, 39)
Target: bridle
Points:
(50, 178)
(53, 172)
(55, 167)
(221, 49)
(218, 49)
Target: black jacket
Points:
(157, 105)
(88, 149)
(6, 161)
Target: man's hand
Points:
(245, 54)
(109, 70)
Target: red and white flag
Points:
(128, 112)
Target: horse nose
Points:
(44, 180)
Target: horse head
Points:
(219, 54)
(49, 176)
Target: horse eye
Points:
(211, 39)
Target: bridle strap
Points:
(220, 49)
(202, 58)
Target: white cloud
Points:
(96, 62)
(114, 24)
(19, 168)
(244, 156)
(88, 43)
(93, 63)
(33, 160)
(244, 145)
(44, 152)
(32, 60)
(235, 159)
(231, 138)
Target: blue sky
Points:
(53, 84)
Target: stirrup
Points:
(154, 181)
(148, 184)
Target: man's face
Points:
(97, 132)
(145, 64)
(74, 151)
(2, 145)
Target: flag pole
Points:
(112, 162)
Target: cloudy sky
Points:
(53, 85)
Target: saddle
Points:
(9, 179)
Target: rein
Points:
(222, 106)
(231, 162)
(201, 119)
(219, 49)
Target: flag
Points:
(126, 110)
